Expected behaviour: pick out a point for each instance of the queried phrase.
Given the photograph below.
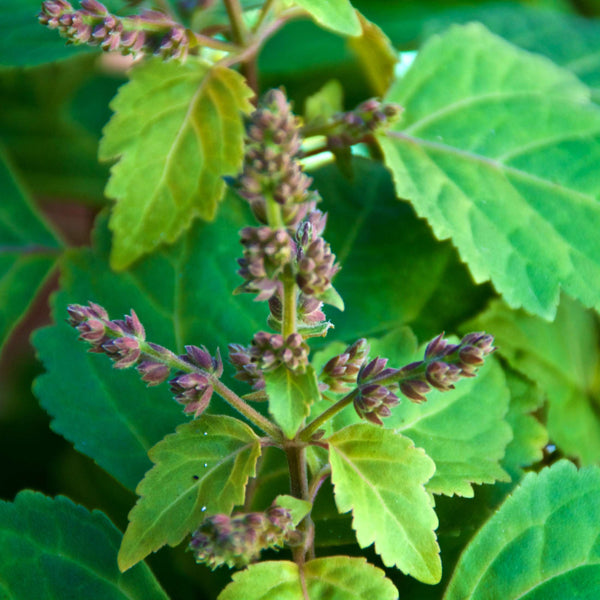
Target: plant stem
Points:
(173, 361)
(236, 20)
(312, 427)
(264, 13)
(289, 306)
(317, 482)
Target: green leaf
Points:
(324, 103)
(200, 470)
(49, 126)
(541, 545)
(463, 431)
(332, 297)
(397, 273)
(380, 476)
(90, 401)
(336, 15)
(53, 549)
(563, 358)
(376, 54)
(298, 508)
(177, 130)
(290, 396)
(333, 577)
(28, 251)
(494, 155)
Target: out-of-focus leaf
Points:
(199, 471)
(28, 250)
(324, 103)
(394, 272)
(290, 396)
(542, 543)
(563, 358)
(182, 296)
(177, 130)
(337, 15)
(380, 476)
(496, 159)
(333, 577)
(376, 55)
(49, 129)
(53, 549)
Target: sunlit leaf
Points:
(199, 471)
(380, 476)
(497, 146)
(177, 130)
(337, 15)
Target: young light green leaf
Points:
(541, 544)
(376, 54)
(563, 359)
(388, 249)
(484, 158)
(28, 251)
(324, 103)
(177, 130)
(168, 292)
(290, 396)
(332, 297)
(298, 508)
(52, 549)
(333, 577)
(336, 15)
(380, 476)
(200, 470)
(464, 431)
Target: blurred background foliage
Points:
(51, 119)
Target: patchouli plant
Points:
(317, 392)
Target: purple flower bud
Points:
(153, 373)
(94, 7)
(372, 369)
(414, 390)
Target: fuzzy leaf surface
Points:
(336, 15)
(177, 130)
(290, 396)
(72, 551)
(381, 477)
(376, 54)
(28, 250)
(497, 146)
(333, 577)
(563, 358)
(168, 290)
(543, 543)
(200, 470)
(463, 430)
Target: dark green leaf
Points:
(200, 470)
(541, 545)
(334, 578)
(28, 250)
(394, 272)
(290, 396)
(182, 296)
(337, 15)
(563, 359)
(53, 549)
(177, 130)
(380, 476)
(496, 159)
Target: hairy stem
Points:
(289, 306)
(220, 388)
(312, 427)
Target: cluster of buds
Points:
(266, 252)
(238, 540)
(271, 166)
(308, 310)
(194, 390)
(351, 127)
(373, 400)
(340, 372)
(151, 32)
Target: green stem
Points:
(274, 218)
(289, 306)
(264, 13)
(312, 427)
(173, 361)
(236, 20)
